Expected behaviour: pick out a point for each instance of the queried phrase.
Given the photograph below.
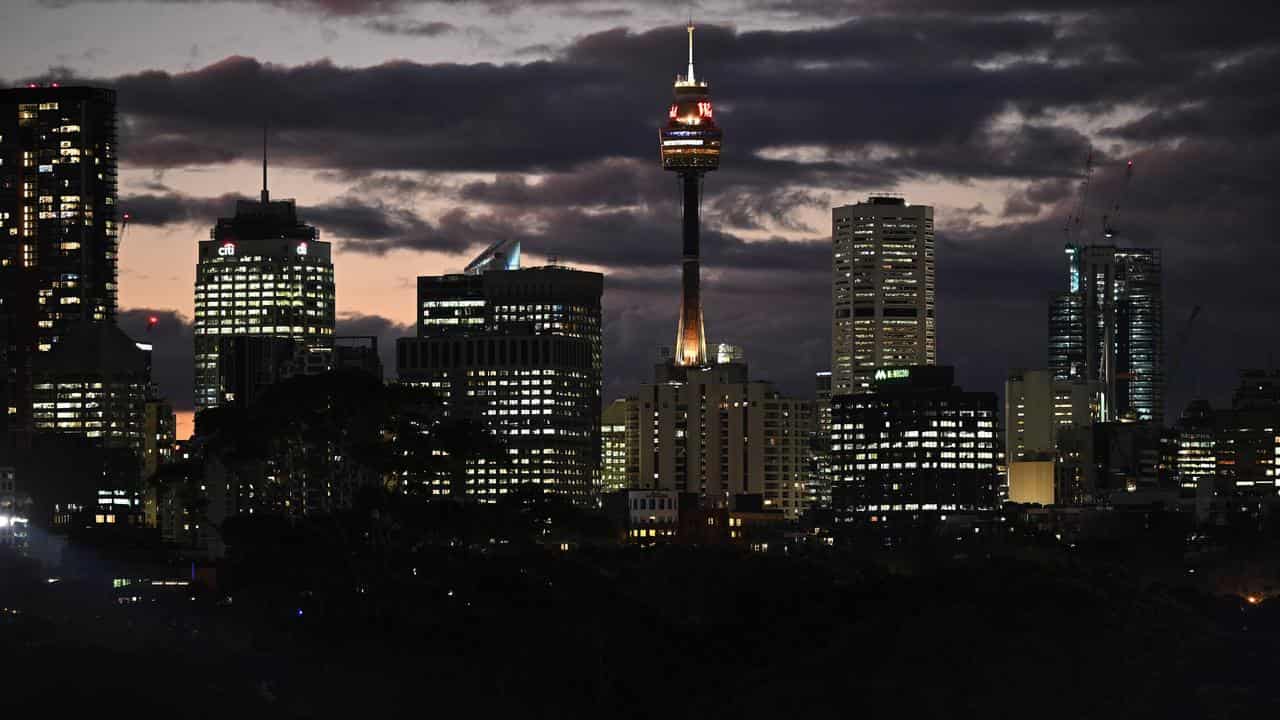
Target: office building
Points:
(1108, 328)
(94, 387)
(613, 447)
(727, 441)
(1196, 465)
(882, 290)
(689, 144)
(1037, 405)
(59, 229)
(1099, 462)
(261, 274)
(1247, 448)
(357, 352)
(916, 443)
(90, 398)
(819, 491)
(518, 350)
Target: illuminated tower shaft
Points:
(690, 146)
(691, 337)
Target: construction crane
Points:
(1073, 222)
(124, 225)
(1109, 217)
(1180, 346)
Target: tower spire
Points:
(689, 78)
(266, 197)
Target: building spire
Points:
(689, 78)
(266, 197)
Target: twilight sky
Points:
(415, 132)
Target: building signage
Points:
(892, 374)
(301, 249)
(227, 250)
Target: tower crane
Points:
(1072, 224)
(1180, 345)
(1108, 218)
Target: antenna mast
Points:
(690, 29)
(266, 197)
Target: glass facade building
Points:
(1109, 328)
(518, 350)
(261, 274)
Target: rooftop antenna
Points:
(266, 197)
(690, 29)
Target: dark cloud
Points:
(361, 8)
(1036, 195)
(1003, 92)
(156, 210)
(369, 226)
(915, 89)
(411, 28)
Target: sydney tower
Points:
(690, 144)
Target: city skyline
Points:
(1001, 169)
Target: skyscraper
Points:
(261, 274)
(882, 290)
(58, 227)
(690, 147)
(517, 350)
(1109, 328)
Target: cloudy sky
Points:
(414, 132)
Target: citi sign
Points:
(228, 249)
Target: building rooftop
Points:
(98, 348)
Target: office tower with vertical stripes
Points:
(882, 290)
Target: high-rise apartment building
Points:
(917, 443)
(58, 228)
(1109, 328)
(883, 290)
(261, 274)
(712, 433)
(517, 350)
